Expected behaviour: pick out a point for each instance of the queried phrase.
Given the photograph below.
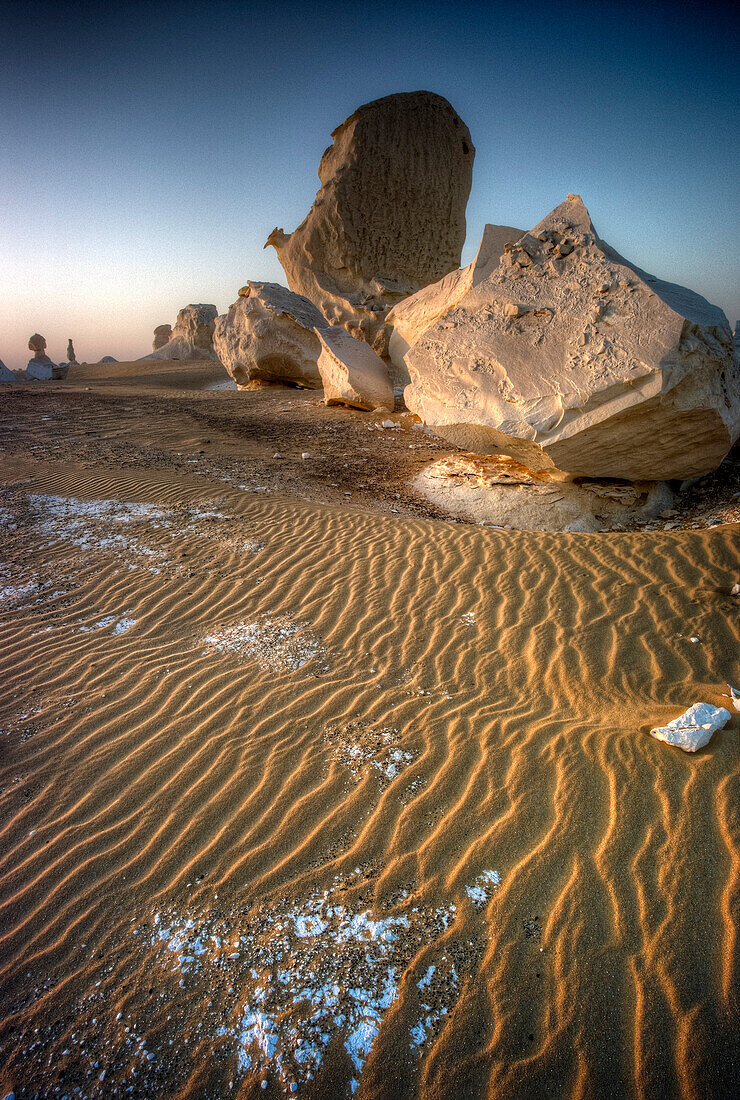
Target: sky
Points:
(148, 149)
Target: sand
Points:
(303, 786)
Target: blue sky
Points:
(147, 150)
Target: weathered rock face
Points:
(268, 336)
(192, 336)
(37, 344)
(162, 334)
(567, 355)
(410, 319)
(351, 372)
(389, 216)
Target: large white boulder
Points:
(389, 216)
(351, 372)
(568, 356)
(410, 319)
(693, 729)
(192, 336)
(269, 335)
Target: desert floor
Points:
(304, 787)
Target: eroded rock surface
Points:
(569, 356)
(389, 217)
(268, 336)
(351, 372)
(410, 319)
(162, 335)
(192, 336)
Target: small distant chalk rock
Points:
(351, 372)
(693, 729)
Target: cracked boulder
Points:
(268, 336)
(352, 373)
(569, 356)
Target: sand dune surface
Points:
(308, 798)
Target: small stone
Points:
(277, 455)
(305, 455)
(735, 590)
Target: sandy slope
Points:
(350, 747)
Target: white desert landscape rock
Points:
(389, 217)
(162, 335)
(410, 319)
(7, 375)
(567, 355)
(268, 336)
(41, 367)
(351, 372)
(192, 336)
(693, 729)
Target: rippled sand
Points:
(330, 799)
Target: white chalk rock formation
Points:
(351, 372)
(693, 729)
(162, 335)
(7, 375)
(268, 336)
(192, 336)
(71, 357)
(568, 356)
(389, 216)
(41, 367)
(410, 319)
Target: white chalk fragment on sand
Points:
(693, 729)
(735, 696)
(480, 891)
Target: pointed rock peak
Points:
(570, 216)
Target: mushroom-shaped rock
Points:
(389, 216)
(351, 372)
(40, 366)
(410, 319)
(567, 355)
(192, 336)
(693, 729)
(162, 335)
(37, 344)
(268, 336)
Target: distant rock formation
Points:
(71, 357)
(108, 359)
(408, 320)
(569, 356)
(389, 217)
(192, 336)
(40, 366)
(7, 375)
(162, 334)
(268, 336)
(351, 372)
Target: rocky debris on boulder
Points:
(693, 729)
(410, 319)
(40, 366)
(269, 335)
(389, 217)
(192, 336)
(7, 375)
(162, 335)
(568, 356)
(71, 357)
(351, 372)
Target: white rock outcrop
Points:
(192, 336)
(40, 366)
(268, 336)
(162, 335)
(410, 319)
(568, 356)
(351, 372)
(693, 729)
(389, 216)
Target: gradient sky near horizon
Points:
(148, 149)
